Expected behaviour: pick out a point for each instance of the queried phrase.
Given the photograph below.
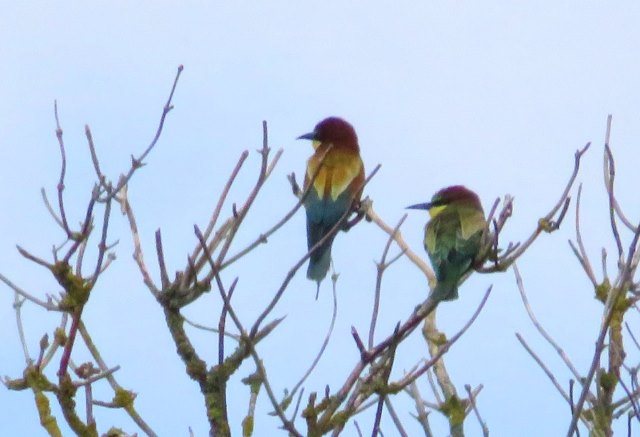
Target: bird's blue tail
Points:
(319, 262)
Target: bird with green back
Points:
(452, 238)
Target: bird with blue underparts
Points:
(333, 184)
(452, 237)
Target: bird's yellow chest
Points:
(333, 172)
(452, 223)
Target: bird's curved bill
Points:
(426, 206)
(309, 136)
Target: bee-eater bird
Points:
(333, 182)
(452, 237)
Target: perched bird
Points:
(334, 179)
(452, 236)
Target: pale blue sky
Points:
(493, 95)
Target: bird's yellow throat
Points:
(435, 210)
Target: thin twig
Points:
(608, 181)
(53, 348)
(102, 245)
(129, 408)
(47, 204)
(209, 328)
(138, 254)
(381, 266)
(96, 377)
(412, 376)
(17, 306)
(249, 341)
(609, 177)
(631, 397)
(138, 162)
(263, 237)
(581, 253)
(358, 430)
(397, 237)
(164, 275)
(541, 330)
(388, 361)
(474, 407)
(222, 321)
(34, 258)
(266, 168)
(294, 414)
(544, 368)
(546, 223)
(422, 415)
(366, 358)
(434, 389)
(78, 238)
(94, 156)
(48, 304)
(433, 337)
(214, 218)
(223, 294)
(325, 343)
(633, 337)
(63, 169)
(592, 371)
(394, 416)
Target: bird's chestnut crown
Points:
(333, 130)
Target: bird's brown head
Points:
(453, 195)
(333, 130)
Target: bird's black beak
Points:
(309, 136)
(420, 206)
